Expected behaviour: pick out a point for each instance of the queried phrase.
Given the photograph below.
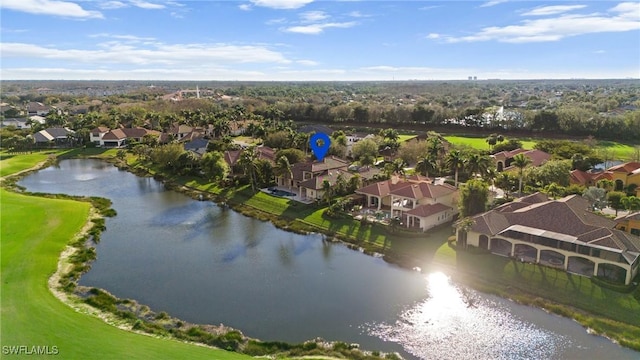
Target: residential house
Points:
(18, 123)
(588, 178)
(232, 157)
(629, 223)
(626, 174)
(180, 131)
(561, 233)
(352, 139)
(54, 136)
(503, 159)
(39, 119)
(303, 171)
(36, 108)
(117, 138)
(418, 202)
(198, 146)
(95, 136)
(313, 188)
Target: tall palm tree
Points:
(521, 161)
(327, 194)
(426, 165)
(434, 147)
(283, 166)
(477, 164)
(398, 166)
(249, 162)
(455, 162)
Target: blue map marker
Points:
(320, 151)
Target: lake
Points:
(206, 264)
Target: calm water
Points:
(205, 264)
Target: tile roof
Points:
(428, 210)
(627, 167)
(100, 129)
(568, 217)
(317, 182)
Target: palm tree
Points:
(455, 162)
(477, 164)
(434, 147)
(521, 161)
(426, 165)
(327, 191)
(398, 166)
(283, 166)
(249, 162)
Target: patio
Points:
(286, 193)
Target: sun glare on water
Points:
(457, 323)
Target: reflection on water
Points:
(454, 323)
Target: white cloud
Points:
(429, 7)
(147, 5)
(625, 17)
(134, 53)
(313, 16)
(599, 52)
(244, 7)
(281, 4)
(552, 10)
(314, 29)
(358, 14)
(307, 62)
(493, 3)
(109, 5)
(50, 7)
(132, 38)
(433, 36)
(276, 21)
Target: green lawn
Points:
(615, 150)
(10, 163)
(481, 143)
(33, 232)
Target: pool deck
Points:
(294, 198)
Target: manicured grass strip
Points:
(620, 151)
(480, 143)
(12, 163)
(34, 231)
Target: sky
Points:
(309, 40)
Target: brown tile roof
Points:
(567, 216)
(632, 216)
(231, 157)
(99, 130)
(627, 167)
(428, 210)
(317, 182)
(115, 134)
(381, 188)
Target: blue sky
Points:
(318, 40)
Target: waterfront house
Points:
(588, 178)
(95, 136)
(118, 138)
(415, 200)
(562, 233)
(305, 171)
(54, 137)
